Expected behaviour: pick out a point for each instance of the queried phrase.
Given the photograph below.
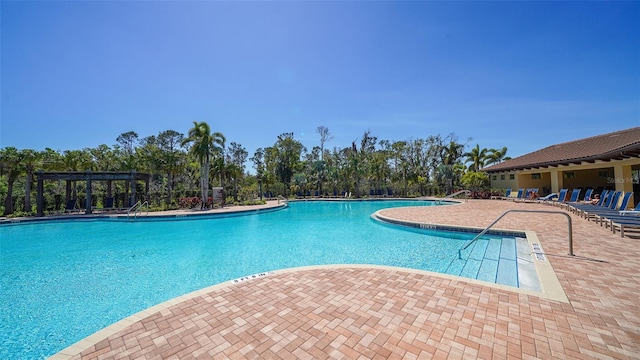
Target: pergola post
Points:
(40, 195)
(88, 199)
(132, 181)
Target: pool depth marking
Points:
(252, 277)
(537, 251)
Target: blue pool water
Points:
(62, 281)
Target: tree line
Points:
(190, 165)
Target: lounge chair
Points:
(549, 197)
(518, 195)
(531, 196)
(528, 193)
(620, 212)
(108, 205)
(507, 194)
(611, 199)
(635, 211)
(575, 194)
(503, 197)
(626, 226)
(587, 195)
(72, 206)
(559, 197)
(610, 213)
(588, 210)
(609, 202)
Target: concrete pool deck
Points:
(373, 312)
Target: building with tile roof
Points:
(607, 161)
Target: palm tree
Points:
(476, 157)
(204, 144)
(496, 156)
(449, 176)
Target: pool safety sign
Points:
(537, 251)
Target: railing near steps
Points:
(465, 192)
(137, 208)
(523, 211)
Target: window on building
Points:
(501, 177)
(535, 176)
(569, 175)
(603, 173)
(512, 176)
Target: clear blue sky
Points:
(519, 74)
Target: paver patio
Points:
(370, 312)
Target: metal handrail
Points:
(280, 197)
(134, 206)
(466, 192)
(137, 208)
(570, 228)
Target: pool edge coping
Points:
(153, 216)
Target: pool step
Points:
(494, 260)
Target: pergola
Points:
(89, 177)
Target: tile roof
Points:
(617, 145)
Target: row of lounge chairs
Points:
(521, 194)
(73, 206)
(317, 194)
(342, 194)
(609, 210)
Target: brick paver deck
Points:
(360, 312)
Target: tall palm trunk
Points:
(205, 182)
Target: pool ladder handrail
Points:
(138, 209)
(465, 192)
(284, 200)
(570, 227)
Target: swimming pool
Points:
(63, 280)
